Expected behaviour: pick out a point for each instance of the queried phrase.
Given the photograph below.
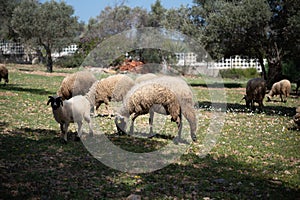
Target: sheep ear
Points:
(50, 99)
(60, 100)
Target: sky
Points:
(85, 9)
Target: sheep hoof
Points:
(194, 138)
(177, 140)
(120, 132)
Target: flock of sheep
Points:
(256, 91)
(80, 92)
(149, 93)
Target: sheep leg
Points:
(252, 105)
(79, 132)
(108, 109)
(64, 130)
(132, 123)
(261, 105)
(190, 115)
(87, 118)
(281, 98)
(151, 113)
(179, 125)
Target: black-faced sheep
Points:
(4, 74)
(112, 88)
(281, 88)
(73, 110)
(255, 92)
(141, 99)
(78, 83)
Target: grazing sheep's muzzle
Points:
(121, 124)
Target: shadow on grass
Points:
(3, 125)
(44, 168)
(220, 178)
(241, 108)
(217, 85)
(19, 88)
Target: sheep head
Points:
(56, 102)
(121, 124)
(121, 120)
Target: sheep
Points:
(296, 117)
(4, 74)
(140, 100)
(112, 88)
(282, 87)
(73, 110)
(145, 77)
(78, 83)
(255, 92)
(184, 95)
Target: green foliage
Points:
(71, 61)
(239, 73)
(6, 10)
(113, 20)
(291, 70)
(50, 25)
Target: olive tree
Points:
(258, 28)
(50, 25)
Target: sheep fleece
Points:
(76, 84)
(143, 98)
(282, 87)
(113, 87)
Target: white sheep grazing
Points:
(112, 88)
(142, 98)
(69, 111)
(183, 93)
(282, 87)
(77, 83)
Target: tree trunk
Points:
(263, 68)
(49, 61)
(274, 74)
(274, 58)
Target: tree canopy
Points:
(50, 25)
(263, 29)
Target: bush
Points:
(291, 70)
(239, 73)
(71, 61)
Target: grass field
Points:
(256, 156)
